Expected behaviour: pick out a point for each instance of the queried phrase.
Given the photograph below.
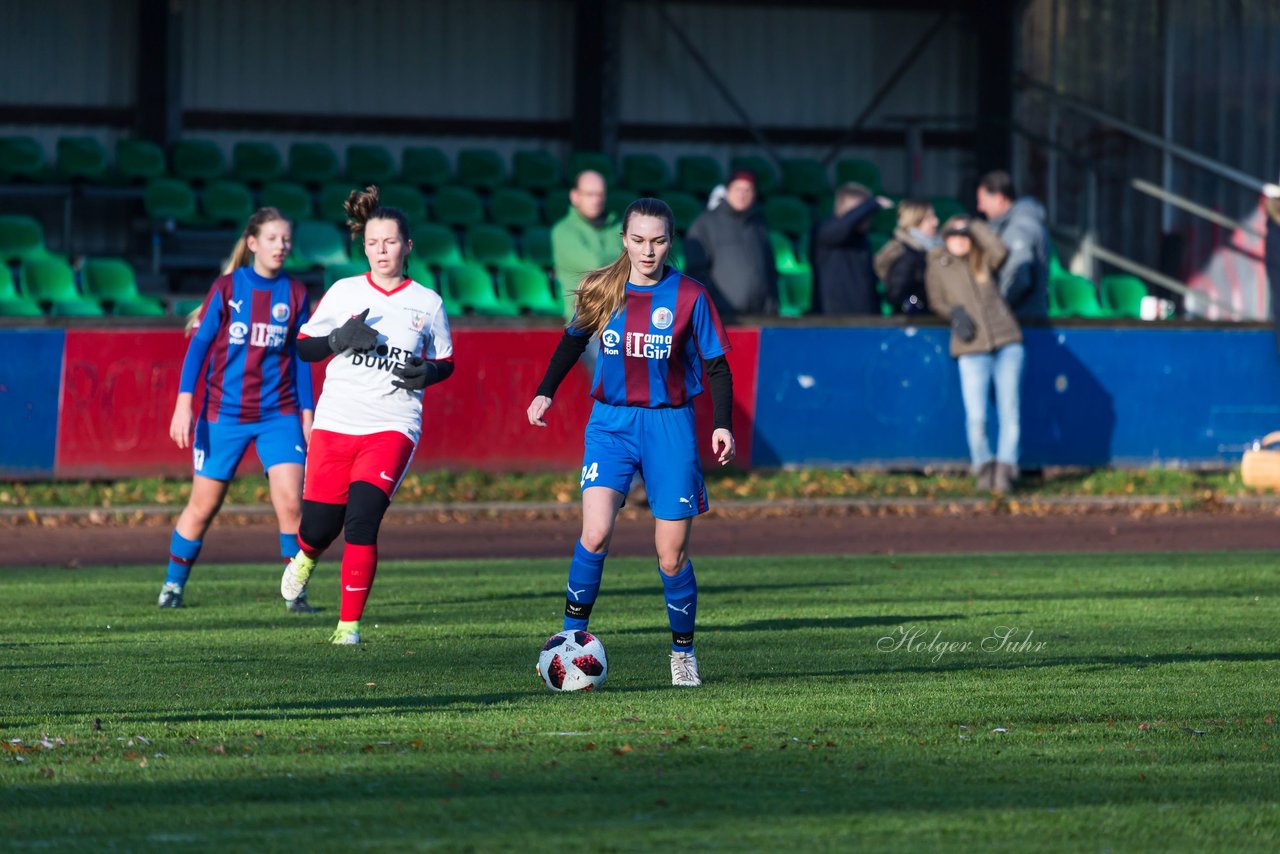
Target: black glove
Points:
(355, 334)
(416, 374)
(962, 324)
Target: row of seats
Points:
(47, 285)
(84, 158)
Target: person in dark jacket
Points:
(843, 279)
(900, 263)
(728, 249)
(1019, 223)
(1271, 251)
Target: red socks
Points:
(359, 564)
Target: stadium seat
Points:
(51, 281)
(698, 174)
(491, 245)
(226, 203)
(1076, 296)
(81, 158)
(8, 288)
(256, 162)
(425, 166)
(514, 207)
(357, 266)
(1122, 295)
(858, 171)
(111, 281)
(946, 207)
(312, 163)
(886, 221)
(78, 307)
(555, 205)
(535, 171)
(467, 288)
(435, 245)
(535, 246)
(21, 157)
(370, 164)
(333, 200)
(317, 244)
(289, 198)
(21, 237)
(787, 214)
(684, 207)
(406, 198)
(877, 240)
(184, 307)
(675, 255)
(198, 160)
(581, 161)
(139, 160)
(761, 167)
(805, 177)
(481, 168)
(458, 206)
(784, 252)
(421, 272)
(795, 292)
(645, 174)
(527, 288)
(17, 306)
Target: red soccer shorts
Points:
(336, 460)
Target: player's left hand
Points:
(723, 446)
(415, 375)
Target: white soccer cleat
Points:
(171, 595)
(684, 670)
(345, 636)
(293, 584)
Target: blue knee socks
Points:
(584, 585)
(288, 547)
(681, 591)
(182, 556)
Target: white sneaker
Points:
(171, 595)
(684, 670)
(293, 584)
(345, 636)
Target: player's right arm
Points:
(210, 321)
(571, 347)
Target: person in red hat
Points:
(728, 249)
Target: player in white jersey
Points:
(389, 338)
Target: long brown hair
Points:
(976, 257)
(240, 254)
(362, 206)
(603, 291)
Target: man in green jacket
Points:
(588, 237)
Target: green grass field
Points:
(1143, 720)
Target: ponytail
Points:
(240, 254)
(604, 290)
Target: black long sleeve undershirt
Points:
(314, 349)
(571, 348)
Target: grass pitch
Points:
(1119, 702)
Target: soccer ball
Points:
(573, 661)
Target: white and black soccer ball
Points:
(573, 660)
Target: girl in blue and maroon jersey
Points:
(256, 389)
(660, 336)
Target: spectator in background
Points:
(728, 249)
(900, 263)
(960, 277)
(1271, 251)
(843, 279)
(1024, 278)
(587, 238)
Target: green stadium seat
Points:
(675, 255)
(481, 168)
(141, 307)
(51, 281)
(184, 307)
(459, 206)
(761, 167)
(406, 198)
(645, 174)
(535, 246)
(858, 171)
(581, 161)
(795, 292)
(1122, 295)
(698, 174)
(139, 160)
(491, 245)
(333, 200)
(787, 214)
(17, 306)
(805, 177)
(467, 288)
(317, 244)
(684, 207)
(354, 267)
(946, 207)
(21, 157)
(877, 240)
(81, 158)
(111, 281)
(527, 288)
(289, 198)
(555, 205)
(8, 288)
(885, 221)
(514, 207)
(536, 171)
(198, 160)
(79, 307)
(227, 203)
(425, 166)
(370, 164)
(256, 162)
(312, 163)
(435, 245)
(21, 237)
(420, 271)
(1076, 296)
(784, 252)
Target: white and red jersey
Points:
(358, 398)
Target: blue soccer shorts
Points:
(217, 448)
(660, 444)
